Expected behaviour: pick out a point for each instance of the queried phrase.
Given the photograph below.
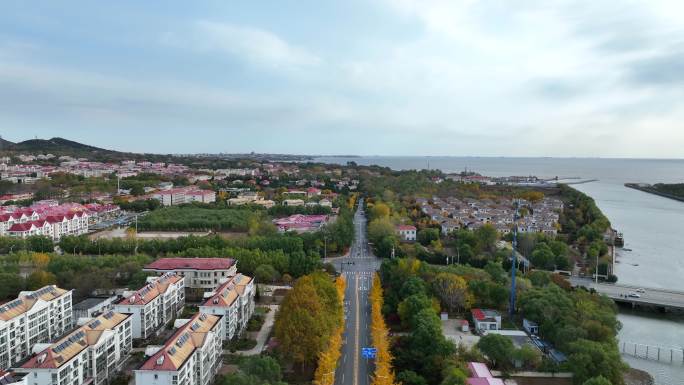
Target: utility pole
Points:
(514, 260)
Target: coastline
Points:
(650, 190)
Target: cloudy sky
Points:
(384, 77)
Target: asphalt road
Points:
(650, 296)
(358, 268)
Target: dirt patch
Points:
(638, 377)
(232, 234)
(542, 381)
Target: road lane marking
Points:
(356, 336)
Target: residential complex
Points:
(234, 301)
(181, 195)
(154, 305)
(34, 317)
(202, 274)
(453, 213)
(51, 219)
(88, 355)
(192, 356)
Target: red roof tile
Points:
(191, 263)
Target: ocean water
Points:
(653, 227)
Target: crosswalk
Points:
(359, 273)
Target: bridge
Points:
(651, 297)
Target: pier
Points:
(664, 354)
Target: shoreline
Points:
(650, 190)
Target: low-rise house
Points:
(154, 305)
(486, 319)
(203, 274)
(90, 354)
(93, 306)
(192, 356)
(407, 233)
(34, 317)
(234, 301)
(293, 202)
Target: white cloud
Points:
(255, 45)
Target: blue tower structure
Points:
(514, 261)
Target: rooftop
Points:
(228, 292)
(70, 345)
(166, 264)
(26, 300)
(182, 344)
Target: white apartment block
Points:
(89, 355)
(234, 301)
(205, 274)
(53, 226)
(192, 356)
(34, 317)
(154, 305)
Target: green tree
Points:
(409, 377)
(266, 274)
(10, 285)
(40, 278)
(426, 236)
(265, 368)
(486, 237)
(589, 359)
(600, 380)
(498, 349)
(452, 291)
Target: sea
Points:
(653, 227)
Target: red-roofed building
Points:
(154, 305)
(486, 319)
(88, 355)
(192, 356)
(200, 273)
(407, 233)
(234, 300)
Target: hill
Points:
(57, 146)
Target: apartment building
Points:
(204, 274)
(90, 354)
(234, 301)
(34, 317)
(192, 356)
(154, 305)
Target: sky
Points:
(376, 77)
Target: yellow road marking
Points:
(356, 336)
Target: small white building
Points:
(407, 233)
(234, 301)
(154, 305)
(90, 354)
(486, 319)
(192, 356)
(530, 327)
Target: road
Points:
(650, 296)
(358, 268)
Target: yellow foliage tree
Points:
(383, 375)
(327, 360)
(40, 260)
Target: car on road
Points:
(640, 290)
(633, 295)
